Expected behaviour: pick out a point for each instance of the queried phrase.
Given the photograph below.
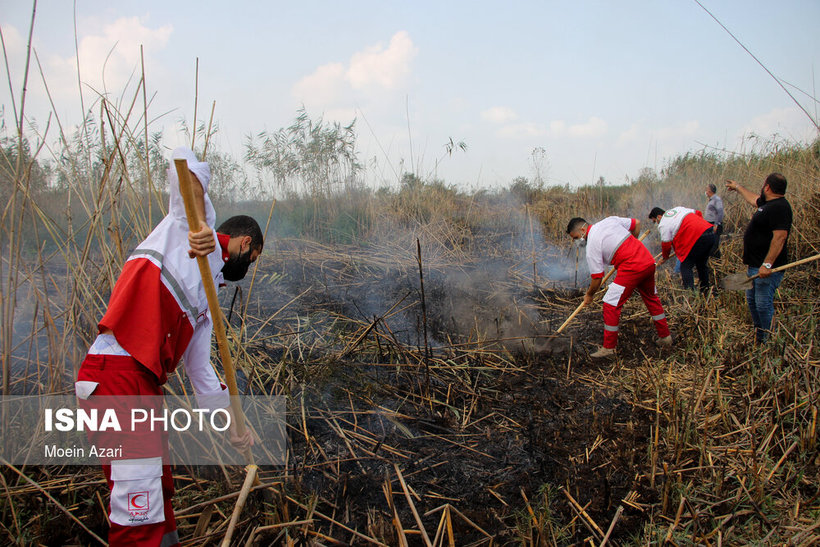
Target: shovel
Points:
(740, 281)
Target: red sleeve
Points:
(666, 247)
(223, 242)
(146, 319)
(698, 213)
(597, 275)
(632, 224)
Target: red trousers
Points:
(141, 484)
(619, 292)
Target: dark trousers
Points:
(697, 258)
(716, 247)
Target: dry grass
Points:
(486, 430)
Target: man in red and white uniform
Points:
(157, 314)
(691, 237)
(613, 241)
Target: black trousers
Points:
(697, 258)
(716, 247)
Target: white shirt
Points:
(603, 239)
(670, 222)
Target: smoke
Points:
(490, 273)
(484, 278)
(482, 304)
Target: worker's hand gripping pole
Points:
(194, 224)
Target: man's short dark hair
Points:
(655, 212)
(777, 183)
(712, 188)
(243, 225)
(574, 224)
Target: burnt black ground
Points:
(532, 429)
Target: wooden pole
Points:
(795, 263)
(532, 244)
(424, 318)
(250, 478)
(196, 100)
(208, 132)
(213, 303)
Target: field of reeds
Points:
(412, 329)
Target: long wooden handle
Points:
(213, 301)
(250, 480)
(644, 234)
(603, 281)
(796, 263)
(787, 266)
(570, 318)
(660, 254)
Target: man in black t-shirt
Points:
(764, 247)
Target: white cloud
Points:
(341, 115)
(521, 130)
(109, 59)
(557, 128)
(367, 78)
(323, 86)
(386, 68)
(499, 114)
(686, 129)
(788, 122)
(631, 135)
(594, 127)
(671, 138)
(15, 53)
(14, 42)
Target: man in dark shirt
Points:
(764, 247)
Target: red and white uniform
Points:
(680, 228)
(610, 241)
(158, 312)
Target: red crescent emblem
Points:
(134, 503)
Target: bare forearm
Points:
(594, 285)
(776, 246)
(199, 198)
(201, 242)
(747, 194)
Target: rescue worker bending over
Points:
(613, 241)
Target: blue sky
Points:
(605, 88)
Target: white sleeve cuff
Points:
(214, 399)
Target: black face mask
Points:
(236, 267)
